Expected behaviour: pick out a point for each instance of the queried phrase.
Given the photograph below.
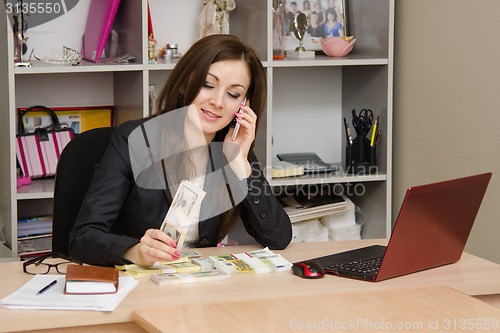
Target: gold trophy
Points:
(299, 29)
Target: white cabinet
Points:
(307, 98)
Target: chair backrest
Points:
(75, 170)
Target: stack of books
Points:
(301, 207)
(34, 236)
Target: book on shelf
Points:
(303, 207)
(259, 261)
(83, 279)
(281, 169)
(178, 278)
(318, 199)
(33, 226)
(34, 245)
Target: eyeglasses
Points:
(37, 266)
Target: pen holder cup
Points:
(361, 157)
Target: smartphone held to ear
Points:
(237, 126)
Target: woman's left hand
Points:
(237, 150)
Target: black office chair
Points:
(75, 170)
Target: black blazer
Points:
(116, 212)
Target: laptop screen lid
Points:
(433, 225)
(431, 230)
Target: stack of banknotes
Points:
(183, 211)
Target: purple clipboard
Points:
(99, 22)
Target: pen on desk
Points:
(44, 289)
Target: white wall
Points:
(447, 102)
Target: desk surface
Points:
(471, 275)
(424, 309)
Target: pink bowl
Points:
(337, 46)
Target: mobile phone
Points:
(237, 126)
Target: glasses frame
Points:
(39, 260)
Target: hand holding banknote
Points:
(183, 212)
(165, 244)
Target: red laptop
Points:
(432, 229)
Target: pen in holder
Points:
(361, 156)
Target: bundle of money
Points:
(186, 263)
(259, 261)
(183, 211)
(176, 278)
(179, 266)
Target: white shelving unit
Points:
(307, 98)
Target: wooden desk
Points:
(471, 275)
(423, 309)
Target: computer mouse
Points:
(308, 269)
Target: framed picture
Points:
(324, 18)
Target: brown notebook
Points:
(91, 280)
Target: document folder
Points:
(99, 22)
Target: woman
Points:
(306, 9)
(332, 26)
(318, 8)
(120, 219)
(314, 28)
(336, 5)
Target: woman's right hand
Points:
(154, 246)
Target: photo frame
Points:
(324, 18)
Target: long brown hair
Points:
(187, 78)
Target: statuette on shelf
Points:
(299, 30)
(20, 40)
(214, 17)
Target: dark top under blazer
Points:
(116, 212)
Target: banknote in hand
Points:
(176, 233)
(183, 212)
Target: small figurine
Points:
(20, 40)
(214, 17)
(151, 50)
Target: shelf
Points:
(315, 94)
(162, 64)
(39, 67)
(38, 189)
(322, 179)
(323, 60)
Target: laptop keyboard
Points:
(368, 266)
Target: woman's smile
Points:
(209, 115)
